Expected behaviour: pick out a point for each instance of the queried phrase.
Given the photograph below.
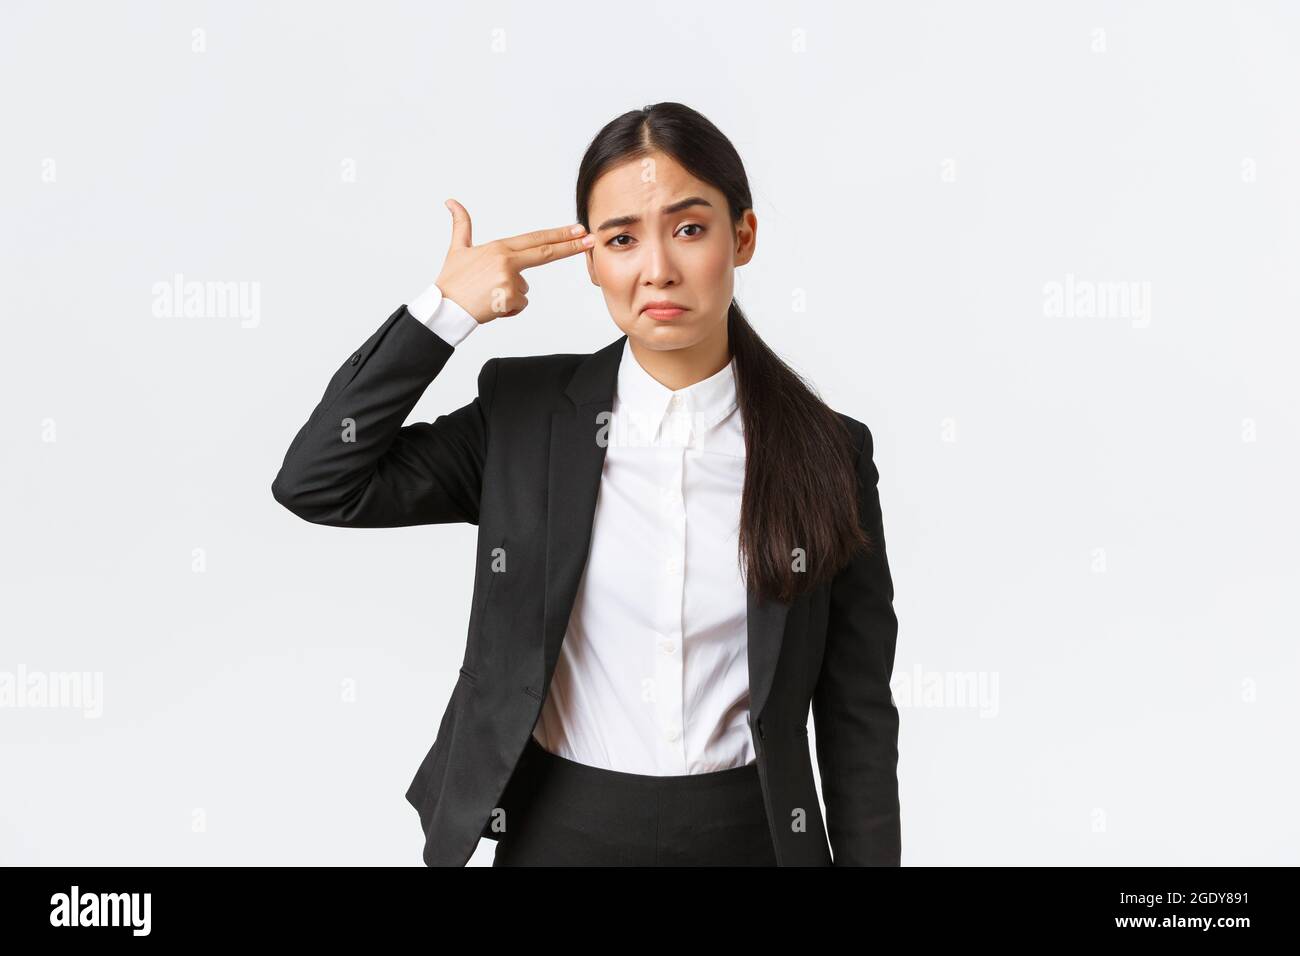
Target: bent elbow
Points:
(326, 505)
(292, 500)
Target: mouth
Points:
(663, 310)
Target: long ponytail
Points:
(799, 510)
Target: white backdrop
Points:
(1058, 243)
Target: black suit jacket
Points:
(522, 462)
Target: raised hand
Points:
(485, 280)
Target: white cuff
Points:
(444, 317)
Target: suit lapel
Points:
(577, 458)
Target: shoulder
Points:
(540, 368)
(859, 432)
(521, 386)
(533, 376)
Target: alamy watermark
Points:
(181, 299)
(1090, 299)
(973, 690)
(76, 908)
(61, 690)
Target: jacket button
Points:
(356, 358)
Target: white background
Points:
(1093, 516)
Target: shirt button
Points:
(668, 646)
(673, 734)
(674, 566)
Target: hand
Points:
(485, 280)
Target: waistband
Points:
(744, 776)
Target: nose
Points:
(660, 269)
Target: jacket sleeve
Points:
(857, 722)
(353, 464)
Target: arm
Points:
(857, 722)
(373, 472)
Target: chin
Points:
(663, 335)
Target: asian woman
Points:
(680, 545)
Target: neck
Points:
(678, 368)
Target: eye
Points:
(623, 235)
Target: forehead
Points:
(648, 181)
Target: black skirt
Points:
(558, 812)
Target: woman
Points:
(680, 545)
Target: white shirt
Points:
(653, 674)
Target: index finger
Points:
(540, 237)
(550, 251)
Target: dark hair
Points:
(801, 487)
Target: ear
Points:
(746, 237)
(591, 267)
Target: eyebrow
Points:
(619, 221)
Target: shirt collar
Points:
(650, 402)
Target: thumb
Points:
(461, 228)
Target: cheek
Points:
(612, 270)
(712, 261)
